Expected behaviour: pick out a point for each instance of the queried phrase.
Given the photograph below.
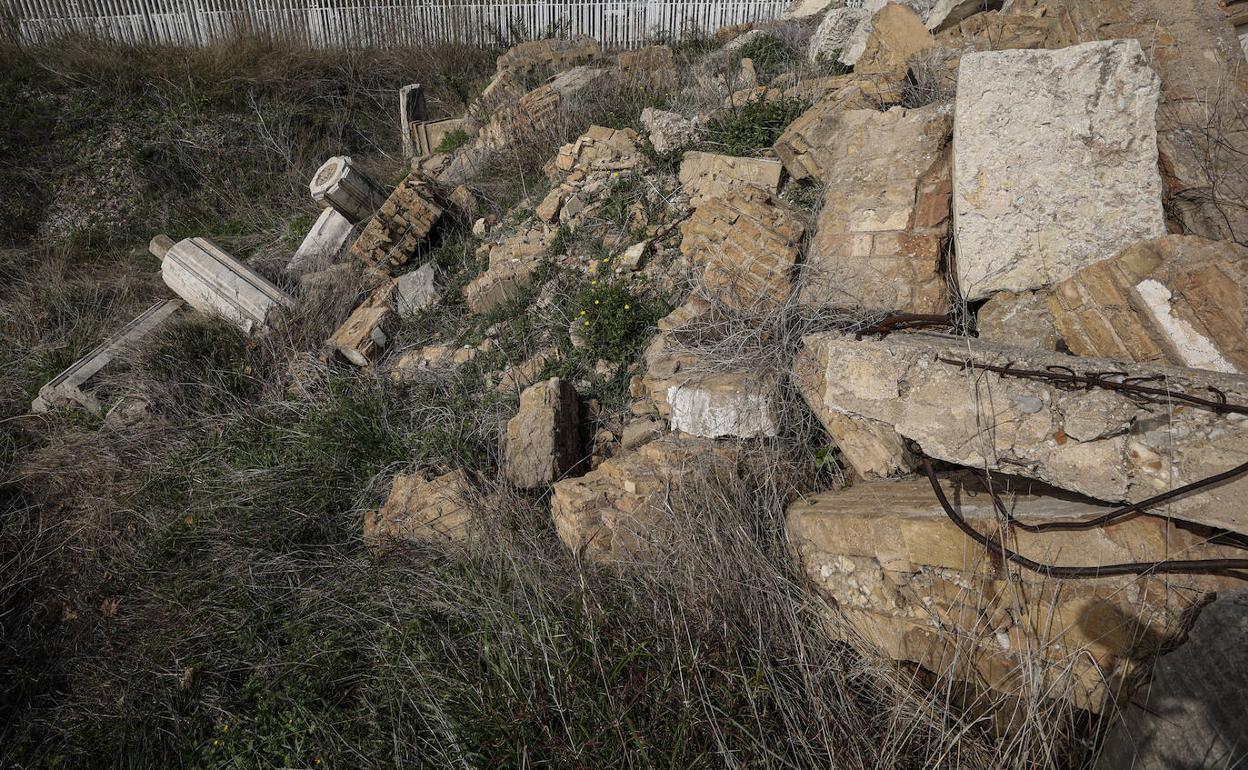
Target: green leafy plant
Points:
(753, 127)
(452, 141)
(614, 321)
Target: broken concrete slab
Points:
(1055, 163)
(363, 337)
(418, 510)
(342, 185)
(885, 215)
(79, 384)
(907, 581)
(323, 244)
(668, 131)
(705, 175)
(401, 225)
(1098, 442)
(746, 244)
(1177, 299)
(544, 438)
(213, 282)
(622, 510)
(416, 291)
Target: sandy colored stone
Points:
(705, 175)
(363, 337)
(906, 580)
(1097, 442)
(400, 227)
(513, 262)
(832, 35)
(1020, 319)
(1177, 299)
(946, 14)
(809, 148)
(439, 509)
(535, 57)
(543, 439)
(882, 230)
(668, 131)
(1055, 163)
(620, 510)
(745, 244)
(884, 43)
(601, 149)
(653, 66)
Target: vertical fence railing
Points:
(346, 23)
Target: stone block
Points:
(79, 385)
(832, 35)
(946, 14)
(1102, 443)
(544, 438)
(537, 57)
(323, 244)
(705, 175)
(653, 67)
(668, 131)
(401, 225)
(416, 291)
(601, 149)
(342, 185)
(809, 148)
(213, 282)
(412, 109)
(1177, 299)
(1020, 319)
(1055, 163)
(363, 337)
(427, 136)
(885, 216)
(885, 43)
(437, 510)
(908, 582)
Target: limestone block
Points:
(363, 337)
(1055, 163)
(885, 216)
(1020, 319)
(342, 185)
(996, 31)
(549, 55)
(79, 384)
(911, 584)
(653, 66)
(668, 131)
(1177, 299)
(437, 510)
(746, 244)
(705, 175)
(544, 438)
(725, 405)
(809, 148)
(1098, 442)
(513, 263)
(213, 282)
(872, 448)
(621, 509)
(833, 33)
(1195, 703)
(520, 376)
(885, 43)
(601, 149)
(401, 225)
(416, 291)
(323, 244)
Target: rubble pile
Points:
(1038, 494)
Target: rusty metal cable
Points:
(1130, 385)
(1175, 566)
(898, 321)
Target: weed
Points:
(614, 320)
(453, 140)
(769, 54)
(753, 127)
(561, 241)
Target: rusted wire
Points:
(1174, 566)
(1065, 376)
(898, 321)
(1126, 510)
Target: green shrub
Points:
(769, 53)
(753, 127)
(452, 141)
(614, 321)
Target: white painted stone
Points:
(344, 186)
(1197, 350)
(76, 385)
(412, 109)
(1055, 163)
(329, 237)
(213, 282)
(416, 291)
(745, 411)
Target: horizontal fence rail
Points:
(354, 23)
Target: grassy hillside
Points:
(190, 589)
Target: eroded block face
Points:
(323, 244)
(213, 282)
(543, 439)
(1055, 163)
(77, 385)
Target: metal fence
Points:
(354, 23)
